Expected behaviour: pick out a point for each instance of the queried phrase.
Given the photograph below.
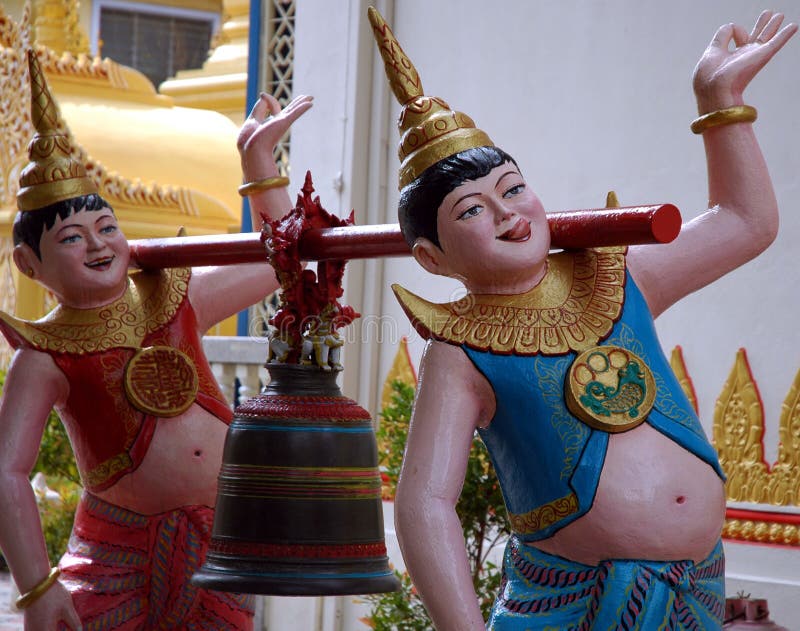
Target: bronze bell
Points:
(299, 500)
(299, 497)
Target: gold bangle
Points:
(727, 116)
(30, 597)
(263, 185)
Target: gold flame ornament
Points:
(51, 175)
(429, 130)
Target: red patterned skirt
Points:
(129, 572)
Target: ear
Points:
(430, 256)
(26, 260)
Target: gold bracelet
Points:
(263, 185)
(30, 597)
(727, 116)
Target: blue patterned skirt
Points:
(543, 592)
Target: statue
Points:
(614, 494)
(121, 360)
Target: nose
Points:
(502, 213)
(94, 241)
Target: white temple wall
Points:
(588, 97)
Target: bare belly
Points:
(655, 500)
(180, 468)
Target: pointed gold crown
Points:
(51, 175)
(429, 130)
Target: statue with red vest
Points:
(120, 359)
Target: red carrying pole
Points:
(571, 229)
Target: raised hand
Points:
(263, 129)
(723, 72)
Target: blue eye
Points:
(472, 211)
(514, 190)
(73, 238)
(108, 229)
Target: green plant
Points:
(480, 509)
(57, 518)
(56, 459)
(57, 463)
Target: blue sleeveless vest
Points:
(547, 461)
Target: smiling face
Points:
(493, 235)
(84, 259)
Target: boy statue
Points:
(120, 358)
(614, 494)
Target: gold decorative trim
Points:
(784, 478)
(572, 309)
(106, 470)
(402, 370)
(739, 434)
(679, 368)
(151, 302)
(81, 67)
(762, 531)
(15, 40)
(15, 113)
(543, 516)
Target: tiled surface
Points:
(8, 621)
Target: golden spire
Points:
(611, 200)
(429, 130)
(51, 175)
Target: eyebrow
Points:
(79, 226)
(69, 225)
(476, 194)
(511, 172)
(462, 198)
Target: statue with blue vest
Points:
(615, 496)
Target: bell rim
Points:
(294, 584)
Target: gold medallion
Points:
(161, 380)
(610, 388)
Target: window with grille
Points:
(156, 40)
(277, 73)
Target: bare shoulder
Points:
(35, 371)
(29, 359)
(447, 374)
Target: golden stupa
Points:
(161, 166)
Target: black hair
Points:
(29, 226)
(420, 200)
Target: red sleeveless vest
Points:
(111, 411)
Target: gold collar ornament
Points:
(429, 130)
(574, 307)
(152, 300)
(159, 380)
(52, 174)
